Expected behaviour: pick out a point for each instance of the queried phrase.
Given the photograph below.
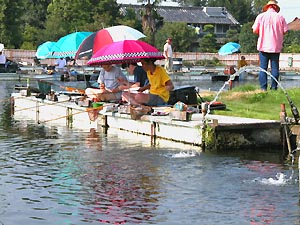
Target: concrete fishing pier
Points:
(214, 132)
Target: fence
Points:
(288, 61)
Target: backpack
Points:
(185, 94)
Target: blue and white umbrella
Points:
(44, 50)
(68, 45)
(229, 48)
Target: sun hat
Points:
(271, 3)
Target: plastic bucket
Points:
(97, 104)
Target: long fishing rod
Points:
(67, 88)
(294, 109)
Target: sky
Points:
(288, 8)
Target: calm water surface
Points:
(53, 175)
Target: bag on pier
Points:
(185, 94)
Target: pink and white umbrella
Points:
(125, 51)
(106, 36)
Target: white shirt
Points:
(2, 59)
(168, 49)
(60, 63)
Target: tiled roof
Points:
(191, 15)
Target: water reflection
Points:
(53, 175)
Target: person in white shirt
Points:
(60, 64)
(168, 54)
(2, 58)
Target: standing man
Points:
(270, 27)
(168, 54)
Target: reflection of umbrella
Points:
(229, 48)
(44, 50)
(125, 51)
(294, 25)
(1, 47)
(106, 36)
(68, 45)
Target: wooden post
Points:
(286, 136)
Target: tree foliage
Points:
(181, 34)
(291, 42)
(209, 41)
(247, 38)
(26, 24)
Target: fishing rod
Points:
(294, 109)
(67, 88)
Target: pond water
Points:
(54, 175)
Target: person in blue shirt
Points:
(140, 79)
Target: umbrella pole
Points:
(129, 95)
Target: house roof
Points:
(191, 15)
(294, 25)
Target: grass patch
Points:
(248, 101)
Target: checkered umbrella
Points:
(68, 45)
(125, 51)
(106, 36)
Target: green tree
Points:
(232, 36)
(183, 36)
(11, 12)
(151, 20)
(66, 16)
(291, 42)
(34, 21)
(208, 42)
(248, 39)
(131, 19)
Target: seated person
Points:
(242, 62)
(111, 82)
(140, 77)
(60, 65)
(159, 86)
(2, 60)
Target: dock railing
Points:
(288, 61)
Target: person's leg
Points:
(170, 64)
(274, 57)
(109, 96)
(92, 92)
(129, 97)
(264, 61)
(155, 100)
(142, 98)
(167, 64)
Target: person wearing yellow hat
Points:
(270, 27)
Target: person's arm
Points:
(169, 85)
(146, 87)
(255, 26)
